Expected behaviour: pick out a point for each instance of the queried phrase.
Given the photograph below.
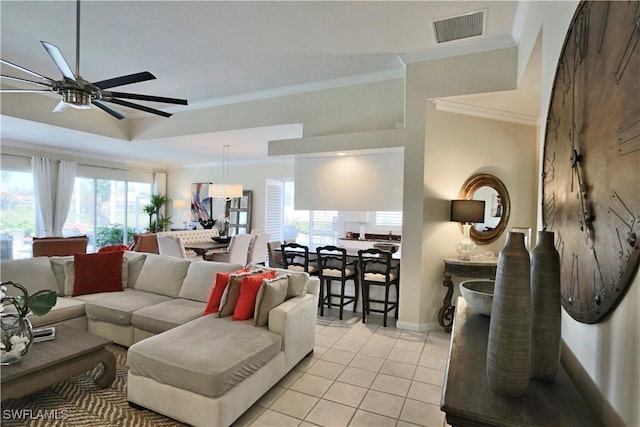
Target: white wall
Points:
(425, 207)
(460, 146)
(370, 182)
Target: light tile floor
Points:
(359, 375)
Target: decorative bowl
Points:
(478, 294)
(389, 247)
(221, 239)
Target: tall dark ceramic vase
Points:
(510, 325)
(545, 308)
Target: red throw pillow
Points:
(113, 248)
(222, 280)
(99, 272)
(246, 304)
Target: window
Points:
(317, 227)
(307, 227)
(17, 214)
(389, 218)
(108, 211)
(275, 209)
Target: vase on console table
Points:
(545, 308)
(508, 347)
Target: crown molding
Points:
(468, 46)
(485, 113)
(395, 73)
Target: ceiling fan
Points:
(79, 93)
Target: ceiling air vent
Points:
(459, 27)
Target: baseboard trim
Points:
(417, 327)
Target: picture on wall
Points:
(201, 203)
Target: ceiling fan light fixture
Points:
(76, 98)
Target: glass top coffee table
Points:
(72, 352)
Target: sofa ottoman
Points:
(211, 355)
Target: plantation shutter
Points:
(274, 209)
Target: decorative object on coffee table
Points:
(17, 332)
(545, 308)
(509, 329)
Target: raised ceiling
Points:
(213, 53)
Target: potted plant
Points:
(157, 222)
(17, 332)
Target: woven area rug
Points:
(79, 402)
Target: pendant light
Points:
(225, 190)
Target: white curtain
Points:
(66, 178)
(41, 168)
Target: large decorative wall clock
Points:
(591, 165)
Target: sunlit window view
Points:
(311, 228)
(17, 214)
(108, 212)
(316, 228)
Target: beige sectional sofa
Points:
(202, 370)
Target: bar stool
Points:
(295, 257)
(377, 269)
(333, 265)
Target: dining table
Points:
(201, 248)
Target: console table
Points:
(468, 401)
(482, 268)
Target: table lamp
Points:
(466, 212)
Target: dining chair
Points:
(275, 254)
(59, 246)
(145, 242)
(377, 268)
(237, 253)
(258, 248)
(333, 265)
(295, 257)
(171, 246)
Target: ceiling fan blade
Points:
(108, 109)
(18, 79)
(145, 97)
(59, 60)
(24, 90)
(26, 70)
(125, 80)
(138, 107)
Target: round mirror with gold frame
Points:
(489, 188)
